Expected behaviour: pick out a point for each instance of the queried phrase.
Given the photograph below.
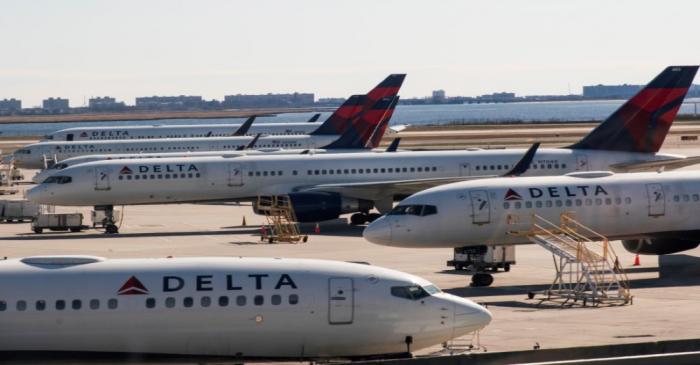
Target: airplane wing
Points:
(243, 129)
(376, 190)
(670, 164)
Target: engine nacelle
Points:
(659, 246)
(320, 206)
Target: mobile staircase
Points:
(587, 269)
(281, 222)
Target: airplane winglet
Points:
(251, 144)
(394, 145)
(524, 164)
(243, 129)
(314, 118)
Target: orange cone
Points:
(317, 229)
(636, 260)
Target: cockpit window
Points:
(432, 289)
(419, 210)
(412, 292)
(58, 180)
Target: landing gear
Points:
(481, 279)
(108, 221)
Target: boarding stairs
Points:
(587, 269)
(281, 222)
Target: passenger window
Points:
(506, 205)
(205, 302)
(276, 299)
(21, 305)
(223, 301)
(548, 203)
(94, 304)
(258, 300)
(188, 302)
(538, 204)
(528, 205)
(518, 205)
(170, 302)
(578, 202)
(559, 203)
(568, 203)
(293, 299)
(676, 198)
(112, 304)
(240, 300)
(76, 304)
(3, 305)
(150, 303)
(40, 305)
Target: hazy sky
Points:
(126, 48)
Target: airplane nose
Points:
(470, 316)
(378, 232)
(36, 193)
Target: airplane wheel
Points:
(111, 229)
(481, 280)
(358, 218)
(371, 217)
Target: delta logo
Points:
(83, 135)
(512, 195)
(125, 171)
(133, 287)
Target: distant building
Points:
(10, 105)
(169, 102)
(330, 101)
(610, 91)
(56, 105)
(105, 103)
(294, 100)
(503, 97)
(439, 96)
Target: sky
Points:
(128, 48)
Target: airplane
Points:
(652, 213)
(247, 308)
(50, 170)
(388, 87)
(322, 187)
(357, 134)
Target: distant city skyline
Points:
(78, 49)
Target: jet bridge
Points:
(587, 269)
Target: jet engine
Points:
(659, 246)
(323, 206)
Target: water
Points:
(404, 114)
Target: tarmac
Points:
(666, 290)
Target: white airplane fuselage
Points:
(620, 206)
(177, 131)
(242, 307)
(216, 178)
(34, 155)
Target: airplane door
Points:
(235, 174)
(657, 200)
(481, 207)
(581, 163)
(464, 169)
(340, 301)
(102, 178)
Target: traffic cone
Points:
(317, 229)
(244, 223)
(636, 260)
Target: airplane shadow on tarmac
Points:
(674, 271)
(74, 236)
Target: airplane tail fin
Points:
(641, 124)
(314, 118)
(338, 122)
(358, 135)
(378, 133)
(341, 120)
(243, 129)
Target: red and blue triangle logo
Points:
(512, 195)
(132, 287)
